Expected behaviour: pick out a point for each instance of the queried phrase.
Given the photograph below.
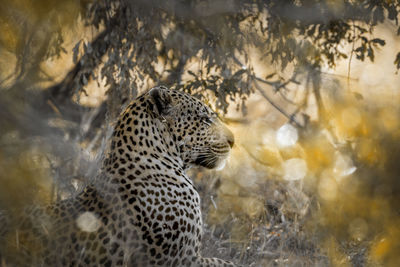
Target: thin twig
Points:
(338, 75)
(291, 119)
(228, 120)
(302, 105)
(351, 57)
(315, 80)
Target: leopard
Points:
(143, 209)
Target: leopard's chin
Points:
(221, 165)
(209, 162)
(212, 161)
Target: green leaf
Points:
(397, 61)
(75, 51)
(269, 76)
(239, 73)
(192, 73)
(378, 15)
(378, 41)
(392, 12)
(371, 54)
(358, 96)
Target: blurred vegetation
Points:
(331, 198)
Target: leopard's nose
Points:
(230, 138)
(231, 141)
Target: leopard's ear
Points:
(161, 99)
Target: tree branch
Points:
(284, 113)
(64, 89)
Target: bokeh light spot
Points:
(343, 166)
(88, 222)
(294, 169)
(381, 248)
(351, 117)
(327, 187)
(287, 135)
(358, 229)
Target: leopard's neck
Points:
(141, 144)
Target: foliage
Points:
(206, 45)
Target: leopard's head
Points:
(200, 136)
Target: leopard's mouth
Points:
(214, 158)
(209, 162)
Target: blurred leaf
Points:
(358, 96)
(239, 73)
(397, 61)
(378, 41)
(75, 51)
(378, 15)
(269, 76)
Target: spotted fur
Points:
(145, 208)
